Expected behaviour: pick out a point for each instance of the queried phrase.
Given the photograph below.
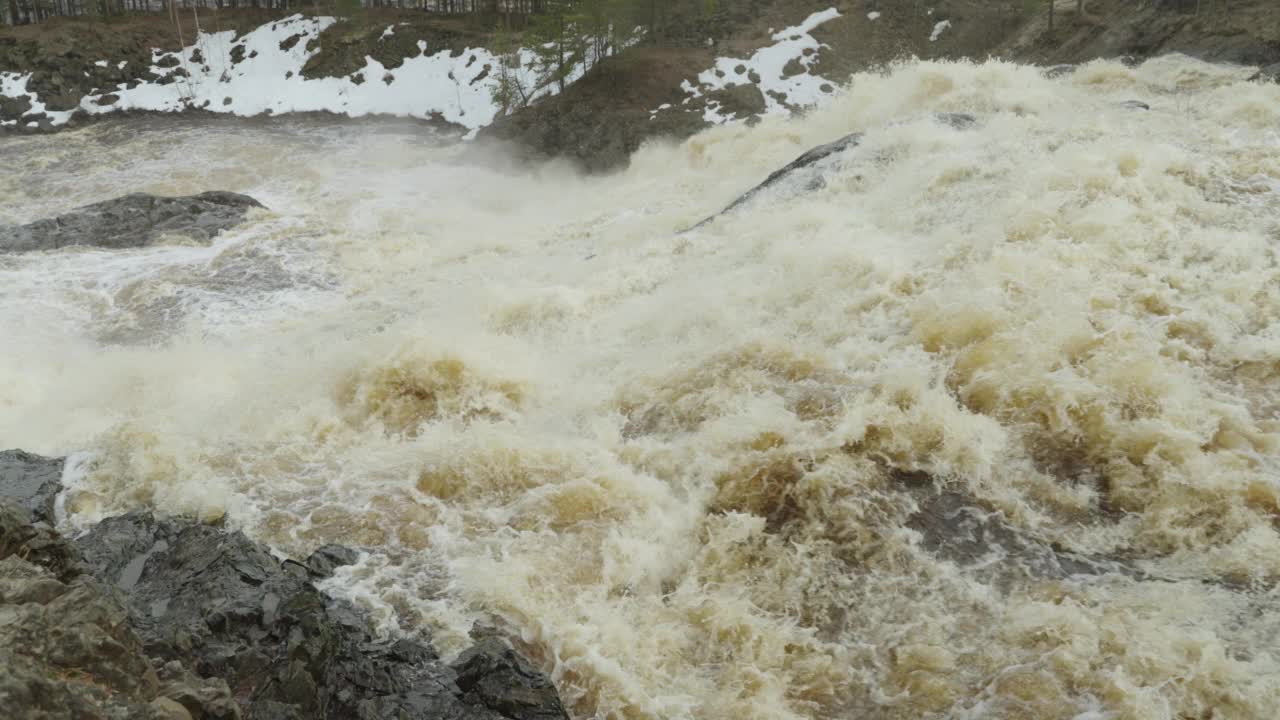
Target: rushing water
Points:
(753, 471)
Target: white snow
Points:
(811, 22)
(391, 30)
(802, 90)
(268, 80)
(937, 30)
(101, 63)
(14, 85)
(873, 15)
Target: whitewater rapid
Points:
(692, 474)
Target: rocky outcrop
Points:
(599, 121)
(31, 481)
(132, 221)
(144, 617)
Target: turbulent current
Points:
(984, 425)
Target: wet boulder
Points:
(32, 481)
(132, 221)
(66, 648)
(226, 608)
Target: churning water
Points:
(986, 426)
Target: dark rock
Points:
(811, 163)
(957, 528)
(237, 54)
(754, 77)
(1059, 70)
(35, 542)
(108, 99)
(327, 558)
(493, 675)
(232, 611)
(288, 43)
(959, 121)
(12, 108)
(197, 57)
(168, 61)
(32, 481)
(131, 221)
(804, 161)
(1135, 105)
(66, 648)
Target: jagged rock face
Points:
(31, 480)
(172, 619)
(66, 648)
(232, 611)
(132, 221)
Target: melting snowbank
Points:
(261, 72)
(773, 70)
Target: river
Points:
(987, 426)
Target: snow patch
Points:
(391, 30)
(14, 85)
(937, 30)
(268, 80)
(101, 63)
(780, 92)
(873, 15)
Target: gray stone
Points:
(495, 676)
(131, 221)
(32, 481)
(230, 610)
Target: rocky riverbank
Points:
(757, 59)
(170, 619)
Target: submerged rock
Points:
(957, 528)
(132, 221)
(811, 159)
(1269, 73)
(1135, 105)
(143, 617)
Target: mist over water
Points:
(986, 426)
